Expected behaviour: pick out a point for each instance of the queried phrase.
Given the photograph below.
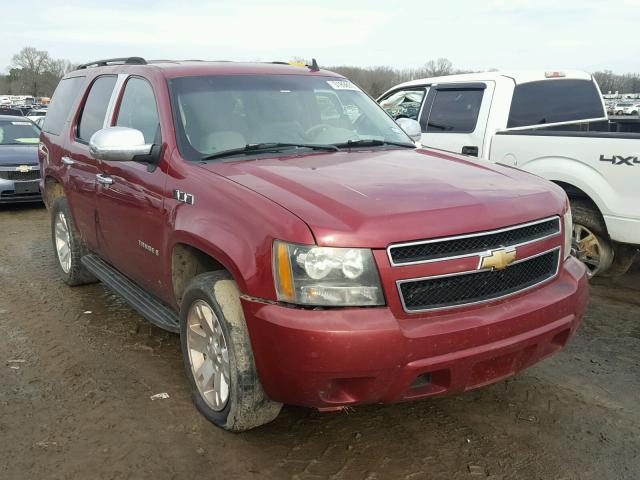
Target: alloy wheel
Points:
(208, 355)
(596, 254)
(63, 242)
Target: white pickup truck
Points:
(552, 124)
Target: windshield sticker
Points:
(27, 140)
(20, 123)
(342, 85)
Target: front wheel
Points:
(218, 358)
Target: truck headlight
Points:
(325, 276)
(568, 232)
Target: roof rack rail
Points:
(108, 61)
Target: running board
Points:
(146, 304)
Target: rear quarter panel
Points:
(606, 168)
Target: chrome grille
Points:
(20, 176)
(472, 244)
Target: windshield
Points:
(220, 113)
(18, 132)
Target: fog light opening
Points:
(421, 380)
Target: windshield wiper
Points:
(267, 146)
(371, 142)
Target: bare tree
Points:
(439, 67)
(34, 72)
(32, 64)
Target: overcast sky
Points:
(475, 34)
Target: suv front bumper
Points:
(336, 357)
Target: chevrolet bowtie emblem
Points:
(497, 259)
(23, 168)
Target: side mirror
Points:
(411, 128)
(118, 144)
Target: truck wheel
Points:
(623, 258)
(68, 246)
(217, 354)
(594, 247)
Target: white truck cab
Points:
(552, 124)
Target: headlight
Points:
(568, 232)
(324, 276)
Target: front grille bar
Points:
(14, 175)
(472, 244)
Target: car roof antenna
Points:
(314, 66)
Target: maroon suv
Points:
(304, 249)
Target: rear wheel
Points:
(68, 246)
(623, 258)
(594, 248)
(217, 354)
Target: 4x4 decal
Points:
(619, 160)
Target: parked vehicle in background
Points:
(19, 171)
(12, 111)
(552, 124)
(35, 113)
(25, 109)
(626, 108)
(306, 252)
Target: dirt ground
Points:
(77, 368)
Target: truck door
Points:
(81, 167)
(454, 117)
(131, 195)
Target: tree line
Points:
(35, 72)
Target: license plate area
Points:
(24, 188)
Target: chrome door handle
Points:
(104, 179)
(68, 161)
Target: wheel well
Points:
(186, 263)
(575, 192)
(53, 189)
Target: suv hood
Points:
(18, 155)
(377, 197)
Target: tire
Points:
(635, 112)
(623, 258)
(594, 247)
(69, 266)
(246, 405)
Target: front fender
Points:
(235, 226)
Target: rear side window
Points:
(138, 110)
(95, 108)
(63, 99)
(551, 101)
(455, 111)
